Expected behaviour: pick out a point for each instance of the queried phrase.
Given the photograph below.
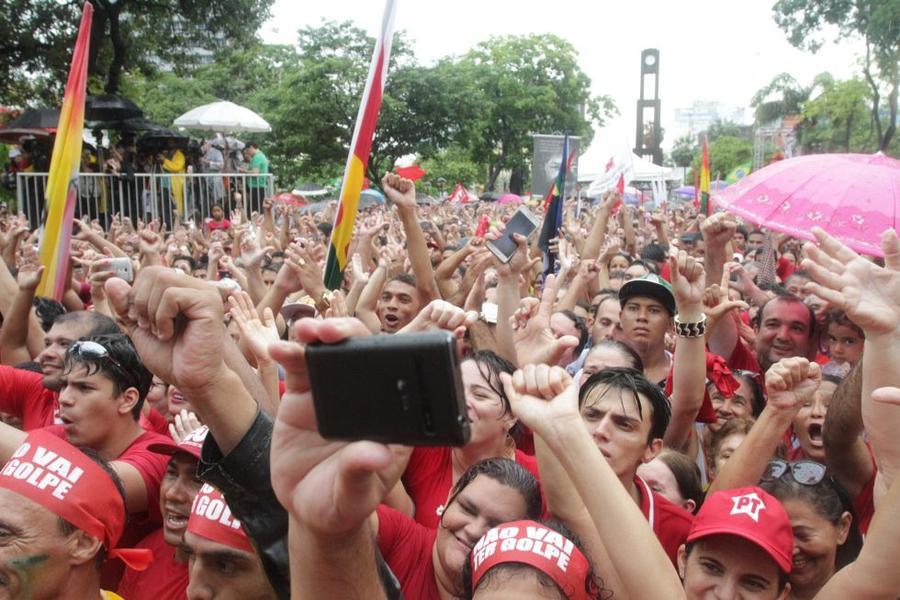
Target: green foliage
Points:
(452, 164)
(527, 84)
(126, 36)
(838, 119)
(782, 97)
(876, 22)
(683, 151)
(726, 128)
(725, 153)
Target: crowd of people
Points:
(114, 177)
(686, 407)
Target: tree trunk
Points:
(876, 97)
(98, 34)
(120, 50)
(892, 115)
(517, 181)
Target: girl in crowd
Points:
(676, 477)
(724, 442)
(432, 472)
(428, 562)
(607, 354)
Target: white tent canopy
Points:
(592, 168)
(223, 116)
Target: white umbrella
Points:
(223, 116)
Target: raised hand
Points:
(331, 488)
(791, 382)
(687, 285)
(305, 269)
(541, 396)
(400, 191)
(184, 423)
(439, 314)
(176, 325)
(867, 293)
(256, 332)
(716, 303)
(29, 276)
(718, 229)
(535, 341)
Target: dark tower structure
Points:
(648, 134)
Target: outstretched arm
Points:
(846, 453)
(546, 399)
(789, 384)
(402, 192)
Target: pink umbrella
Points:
(508, 199)
(854, 197)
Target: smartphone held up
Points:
(523, 223)
(394, 389)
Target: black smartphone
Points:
(394, 389)
(522, 222)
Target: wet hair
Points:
(625, 349)
(66, 528)
(633, 381)
(403, 278)
(654, 253)
(503, 572)
(829, 500)
(490, 365)
(47, 311)
(783, 577)
(506, 472)
(839, 317)
(192, 264)
(98, 323)
(581, 326)
(129, 372)
(788, 298)
(686, 473)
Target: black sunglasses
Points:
(804, 472)
(94, 351)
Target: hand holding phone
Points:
(394, 389)
(523, 223)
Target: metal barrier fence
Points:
(148, 195)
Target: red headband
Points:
(211, 519)
(537, 545)
(717, 373)
(56, 475)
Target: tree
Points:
(527, 84)
(683, 151)
(126, 35)
(725, 154)
(782, 97)
(452, 164)
(838, 119)
(876, 22)
(722, 128)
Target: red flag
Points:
(483, 226)
(620, 187)
(413, 172)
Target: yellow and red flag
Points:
(360, 148)
(705, 202)
(62, 183)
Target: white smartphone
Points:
(121, 266)
(522, 222)
(489, 313)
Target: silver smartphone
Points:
(522, 222)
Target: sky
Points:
(716, 50)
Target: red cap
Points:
(192, 444)
(537, 545)
(752, 514)
(56, 475)
(211, 519)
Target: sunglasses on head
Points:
(804, 472)
(93, 351)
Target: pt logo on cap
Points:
(748, 504)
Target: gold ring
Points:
(302, 262)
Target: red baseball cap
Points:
(537, 545)
(212, 519)
(750, 513)
(58, 476)
(191, 444)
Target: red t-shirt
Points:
(669, 521)
(743, 359)
(154, 422)
(164, 579)
(429, 477)
(212, 224)
(406, 547)
(23, 395)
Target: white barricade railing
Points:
(148, 195)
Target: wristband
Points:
(690, 330)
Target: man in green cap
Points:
(648, 309)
